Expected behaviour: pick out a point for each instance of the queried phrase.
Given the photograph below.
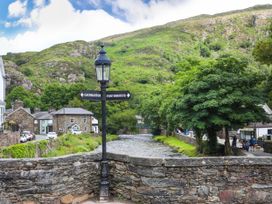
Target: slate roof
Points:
(43, 115)
(72, 111)
(8, 112)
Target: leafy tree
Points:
(123, 121)
(221, 94)
(30, 99)
(150, 111)
(58, 95)
(55, 96)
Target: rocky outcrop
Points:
(15, 77)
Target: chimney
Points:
(17, 104)
(36, 110)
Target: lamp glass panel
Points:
(99, 72)
(106, 73)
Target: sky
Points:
(34, 25)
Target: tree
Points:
(29, 99)
(221, 94)
(122, 122)
(55, 96)
(150, 111)
(58, 95)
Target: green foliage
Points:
(28, 72)
(216, 45)
(221, 94)
(181, 146)
(30, 99)
(58, 95)
(263, 51)
(26, 150)
(122, 122)
(204, 51)
(63, 145)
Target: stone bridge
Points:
(74, 178)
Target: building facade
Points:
(2, 92)
(68, 119)
(43, 122)
(20, 120)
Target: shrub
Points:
(26, 150)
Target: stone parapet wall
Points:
(74, 178)
(198, 180)
(49, 180)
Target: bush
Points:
(216, 46)
(26, 150)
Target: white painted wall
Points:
(262, 131)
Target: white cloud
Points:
(158, 12)
(59, 22)
(8, 24)
(17, 8)
(39, 3)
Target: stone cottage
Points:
(20, 118)
(67, 119)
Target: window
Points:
(85, 128)
(85, 119)
(269, 131)
(72, 120)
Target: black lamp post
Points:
(102, 67)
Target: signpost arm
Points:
(104, 185)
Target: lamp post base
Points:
(104, 183)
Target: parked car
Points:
(23, 138)
(52, 135)
(29, 135)
(76, 132)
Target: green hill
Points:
(142, 59)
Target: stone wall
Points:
(49, 181)
(9, 138)
(198, 180)
(73, 178)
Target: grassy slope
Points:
(63, 145)
(142, 59)
(181, 146)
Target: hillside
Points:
(142, 59)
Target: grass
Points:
(181, 146)
(63, 145)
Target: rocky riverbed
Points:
(140, 146)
